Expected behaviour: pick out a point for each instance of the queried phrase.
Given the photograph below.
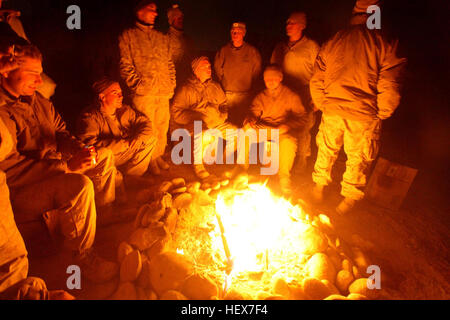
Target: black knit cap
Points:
(139, 4)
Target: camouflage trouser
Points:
(66, 201)
(135, 160)
(361, 144)
(13, 254)
(155, 108)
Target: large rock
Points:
(296, 291)
(330, 287)
(168, 271)
(143, 238)
(313, 241)
(199, 287)
(336, 297)
(131, 267)
(172, 295)
(319, 266)
(170, 219)
(356, 296)
(334, 257)
(182, 200)
(126, 291)
(160, 246)
(280, 287)
(314, 289)
(343, 280)
(360, 259)
(359, 286)
(165, 186)
(143, 279)
(123, 250)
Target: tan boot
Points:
(200, 171)
(317, 193)
(95, 268)
(345, 206)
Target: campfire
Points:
(239, 242)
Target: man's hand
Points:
(214, 117)
(81, 161)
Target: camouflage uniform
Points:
(115, 132)
(147, 69)
(356, 86)
(297, 63)
(13, 254)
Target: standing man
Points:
(147, 69)
(238, 67)
(356, 85)
(181, 46)
(296, 58)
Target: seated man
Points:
(113, 125)
(278, 107)
(41, 132)
(44, 182)
(201, 98)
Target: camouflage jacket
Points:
(145, 62)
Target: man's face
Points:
(203, 71)
(178, 21)
(272, 80)
(25, 79)
(293, 27)
(237, 35)
(148, 14)
(112, 98)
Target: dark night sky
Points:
(418, 133)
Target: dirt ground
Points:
(409, 245)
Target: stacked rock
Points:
(150, 267)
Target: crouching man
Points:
(115, 126)
(278, 107)
(202, 99)
(44, 177)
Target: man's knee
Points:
(79, 183)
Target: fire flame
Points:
(262, 230)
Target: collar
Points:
(237, 48)
(144, 27)
(291, 45)
(275, 92)
(12, 99)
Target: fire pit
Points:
(239, 242)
